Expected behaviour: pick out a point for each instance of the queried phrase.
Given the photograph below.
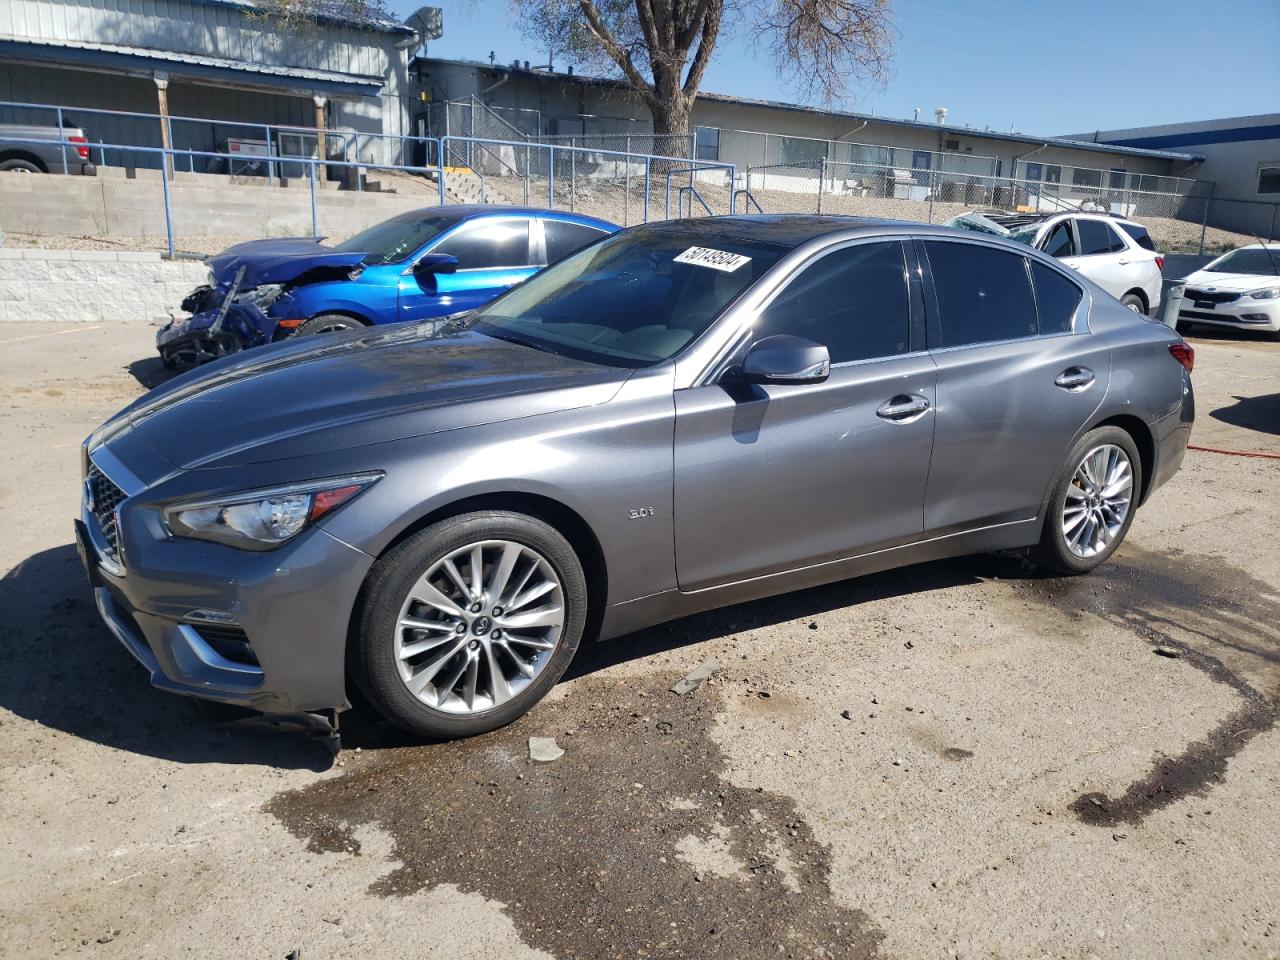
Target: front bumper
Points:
(262, 630)
(1242, 314)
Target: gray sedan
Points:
(682, 416)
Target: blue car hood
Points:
(320, 394)
(277, 261)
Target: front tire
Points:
(1093, 502)
(328, 323)
(467, 624)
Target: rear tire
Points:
(1093, 503)
(468, 664)
(1134, 303)
(328, 323)
(19, 166)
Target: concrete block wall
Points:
(202, 205)
(93, 286)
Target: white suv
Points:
(1118, 255)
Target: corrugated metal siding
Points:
(197, 28)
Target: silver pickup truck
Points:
(19, 157)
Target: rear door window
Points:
(853, 301)
(1097, 237)
(1060, 242)
(488, 244)
(1056, 299)
(564, 238)
(984, 294)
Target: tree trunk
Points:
(671, 122)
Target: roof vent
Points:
(941, 114)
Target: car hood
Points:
(276, 261)
(1230, 282)
(333, 392)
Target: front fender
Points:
(368, 303)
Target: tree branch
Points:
(615, 50)
(706, 46)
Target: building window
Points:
(1053, 174)
(707, 143)
(1269, 179)
(801, 150)
(1083, 177)
(871, 155)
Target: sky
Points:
(1036, 66)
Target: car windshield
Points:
(1258, 261)
(633, 300)
(1025, 234)
(394, 240)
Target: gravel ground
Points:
(957, 759)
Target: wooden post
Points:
(162, 95)
(321, 156)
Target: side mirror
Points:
(786, 359)
(436, 263)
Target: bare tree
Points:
(662, 47)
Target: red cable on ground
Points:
(1236, 453)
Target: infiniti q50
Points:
(681, 416)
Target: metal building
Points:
(218, 60)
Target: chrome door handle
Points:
(903, 408)
(1075, 378)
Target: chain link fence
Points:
(1177, 220)
(623, 187)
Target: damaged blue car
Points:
(427, 264)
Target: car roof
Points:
(472, 211)
(787, 230)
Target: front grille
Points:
(1205, 296)
(106, 496)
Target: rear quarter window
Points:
(1140, 236)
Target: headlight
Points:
(264, 519)
(263, 296)
(1270, 293)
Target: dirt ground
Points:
(958, 759)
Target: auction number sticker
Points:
(721, 260)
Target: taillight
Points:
(1159, 263)
(83, 151)
(1185, 354)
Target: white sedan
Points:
(1240, 289)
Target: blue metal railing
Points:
(314, 171)
(272, 133)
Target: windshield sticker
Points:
(721, 260)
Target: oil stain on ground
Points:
(630, 845)
(1205, 613)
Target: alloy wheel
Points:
(479, 626)
(1098, 500)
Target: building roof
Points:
(118, 56)
(1034, 141)
(1264, 126)
(334, 12)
